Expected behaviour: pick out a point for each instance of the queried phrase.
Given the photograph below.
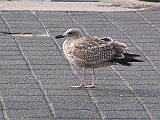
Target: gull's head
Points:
(71, 34)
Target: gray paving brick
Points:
(26, 23)
(152, 16)
(29, 114)
(125, 115)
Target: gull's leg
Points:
(82, 80)
(91, 86)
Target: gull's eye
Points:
(70, 33)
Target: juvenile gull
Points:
(93, 52)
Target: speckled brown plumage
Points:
(89, 52)
(93, 52)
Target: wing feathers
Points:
(97, 51)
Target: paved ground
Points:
(103, 6)
(35, 77)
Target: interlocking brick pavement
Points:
(35, 77)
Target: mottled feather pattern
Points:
(120, 49)
(91, 51)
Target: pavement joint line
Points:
(33, 12)
(71, 66)
(47, 32)
(4, 112)
(123, 80)
(102, 116)
(1, 99)
(135, 94)
(130, 39)
(32, 72)
(148, 21)
(40, 84)
(60, 49)
(70, 16)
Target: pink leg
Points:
(82, 81)
(91, 86)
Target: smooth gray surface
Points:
(35, 78)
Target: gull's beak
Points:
(59, 36)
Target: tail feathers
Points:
(125, 63)
(128, 58)
(131, 55)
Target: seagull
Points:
(94, 52)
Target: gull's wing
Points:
(95, 50)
